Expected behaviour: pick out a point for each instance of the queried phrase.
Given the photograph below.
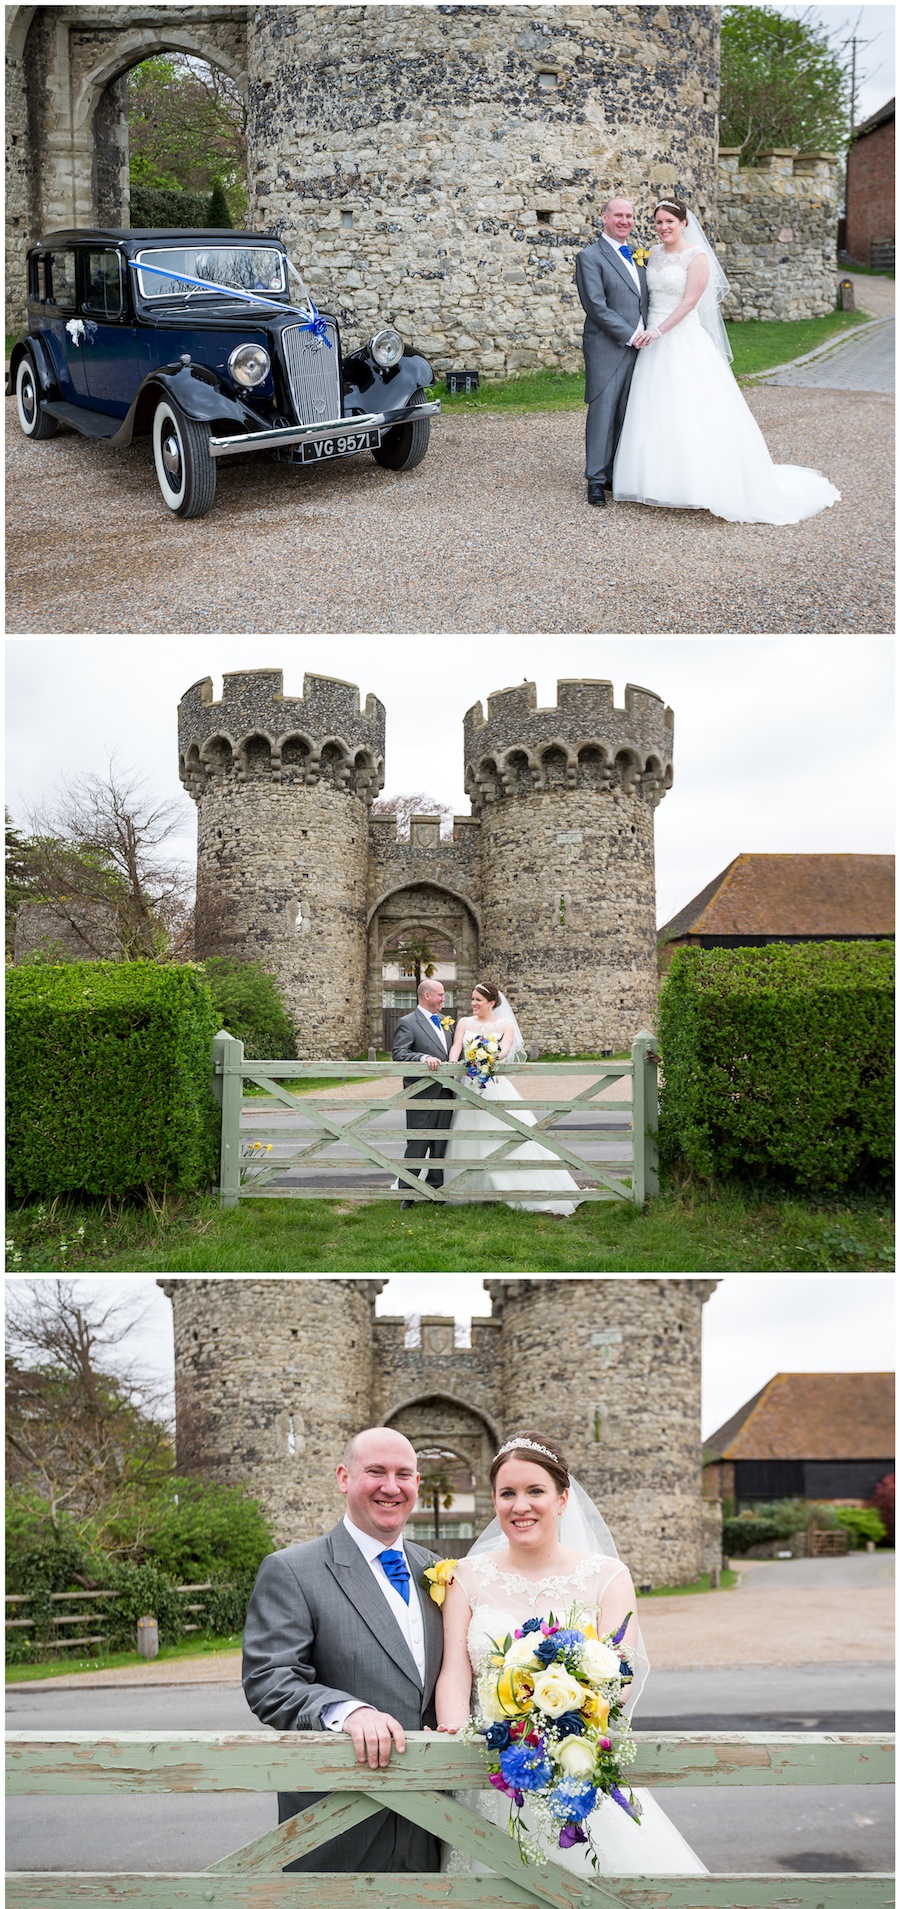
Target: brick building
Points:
(762, 898)
(869, 235)
(819, 1435)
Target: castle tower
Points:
(612, 1369)
(283, 787)
(566, 798)
(271, 1379)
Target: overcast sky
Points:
(753, 1326)
(874, 61)
(781, 745)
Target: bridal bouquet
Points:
(551, 1714)
(482, 1055)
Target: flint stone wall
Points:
(80, 931)
(778, 234)
(272, 1377)
(440, 167)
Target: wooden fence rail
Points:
(281, 1145)
(14, 1600)
(420, 1786)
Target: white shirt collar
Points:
(369, 1546)
(616, 246)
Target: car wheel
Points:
(35, 421)
(404, 447)
(186, 472)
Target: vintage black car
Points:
(194, 338)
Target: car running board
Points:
(89, 423)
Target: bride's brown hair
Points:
(672, 205)
(549, 1457)
(489, 992)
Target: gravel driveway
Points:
(491, 534)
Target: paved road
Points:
(863, 362)
(799, 1829)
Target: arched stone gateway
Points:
(446, 920)
(454, 1427)
(66, 110)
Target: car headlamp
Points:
(249, 365)
(386, 347)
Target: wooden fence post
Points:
(645, 1116)
(228, 1086)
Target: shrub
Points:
(862, 1523)
(109, 1079)
(882, 1501)
(186, 1528)
(778, 1063)
(218, 215)
(250, 1008)
(155, 206)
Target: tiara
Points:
(528, 1445)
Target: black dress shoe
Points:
(405, 1204)
(596, 494)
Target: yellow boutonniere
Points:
(641, 254)
(446, 1020)
(438, 1576)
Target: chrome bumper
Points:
(279, 436)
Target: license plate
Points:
(321, 449)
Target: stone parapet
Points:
(778, 234)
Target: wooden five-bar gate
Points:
(420, 1786)
(281, 1145)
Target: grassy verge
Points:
(727, 1581)
(684, 1230)
(758, 345)
(118, 1660)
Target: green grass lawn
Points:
(727, 1581)
(685, 1230)
(117, 1659)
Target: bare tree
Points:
(83, 1422)
(99, 854)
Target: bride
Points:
(689, 439)
(549, 1550)
(492, 1015)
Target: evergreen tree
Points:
(782, 85)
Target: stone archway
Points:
(420, 907)
(436, 1420)
(66, 114)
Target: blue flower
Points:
(618, 1635)
(630, 1809)
(530, 1625)
(548, 1649)
(526, 1767)
(570, 1724)
(573, 1799)
(569, 1640)
(497, 1736)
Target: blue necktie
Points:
(625, 253)
(395, 1567)
(436, 1019)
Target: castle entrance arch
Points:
(433, 918)
(67, 121)
(458, 1441)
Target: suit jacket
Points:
(416, 1035)
(613, 310)
(319, 1631)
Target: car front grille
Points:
(313, 373)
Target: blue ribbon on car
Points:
(314, 322)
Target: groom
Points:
(426, 1035)
(341, 1635)
(613, 291)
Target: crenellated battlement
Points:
(582, 741)
(256, 732)
(424, 833)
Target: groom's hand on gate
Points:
(374, 1735)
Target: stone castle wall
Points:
(272, 1377)
(440, 167)
(76, 931)
(423, 882)
(778, 234)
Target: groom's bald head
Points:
(379, 1477)
(617, 219)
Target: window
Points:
(104, 293)
(60, 268)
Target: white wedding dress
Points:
(499, 1602)
(490, 1134)
(689, 440)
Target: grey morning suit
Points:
(320, 1631)
(416, 1035)
(614, 309)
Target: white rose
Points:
(555, 1691)
(520, 1655)
(574, 1756)
(598, 1662)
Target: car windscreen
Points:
(184, 271)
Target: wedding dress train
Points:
(491, 1134)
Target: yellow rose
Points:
(574, 1756)
(438, 1576)
(555, 1691)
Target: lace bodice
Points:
(666, 280)
(501, 1600)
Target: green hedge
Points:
(777, 1063)
(167, 206)
(108, 1079)
(250, 1008)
